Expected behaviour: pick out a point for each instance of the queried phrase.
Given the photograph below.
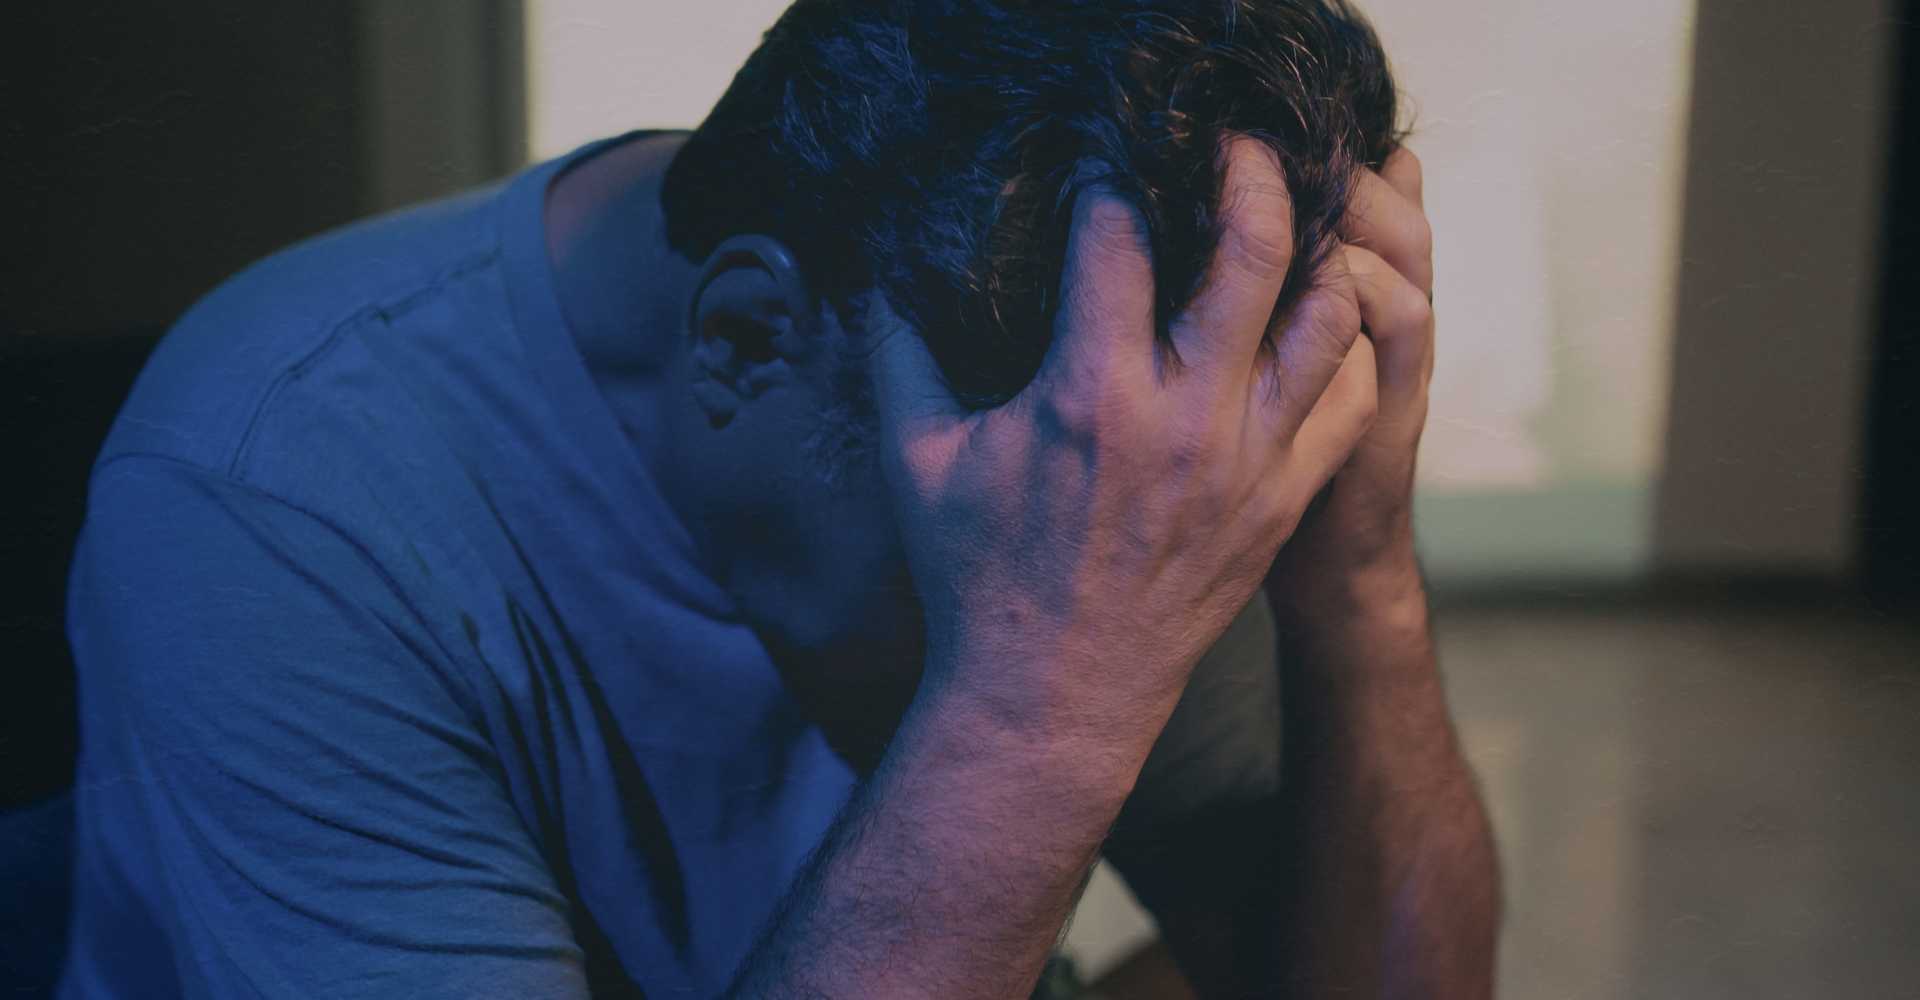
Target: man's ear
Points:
(752, 320)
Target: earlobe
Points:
(751, 319)
(719, 402)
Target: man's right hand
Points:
(1075, 550)
(1078, 548)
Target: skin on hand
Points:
(1356, 547)
(1126, 500)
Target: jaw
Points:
(851, 662)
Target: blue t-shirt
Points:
(396, 679)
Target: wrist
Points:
(1052, 691)
(1057, 751)
(1385, 592)
(1357, 641)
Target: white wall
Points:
(1554, 140)
(599, 67)
(1554, 137)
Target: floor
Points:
(1692, 801)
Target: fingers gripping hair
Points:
(934, 150)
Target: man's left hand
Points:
(1355, 547)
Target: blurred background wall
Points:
(1553, 137)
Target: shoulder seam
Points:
(392, 308)
(468, 698)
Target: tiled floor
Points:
(1697, 802)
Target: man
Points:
(760, 562)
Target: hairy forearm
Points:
(1391, 880)
(952, 869)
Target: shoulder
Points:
(220, 365)
(197, 602)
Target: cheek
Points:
(854, 584)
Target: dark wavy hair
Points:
(931, 150)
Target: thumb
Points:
(920, 420)
(908, 385)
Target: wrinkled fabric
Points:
(394, 678)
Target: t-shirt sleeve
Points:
(267, 717)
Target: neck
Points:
(621, 287)
(623, 292)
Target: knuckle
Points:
(1089, 415)
(1187, 448)
(1074, 415)
(1321, 336)
(1411, 168)
(1110, 226)
(1337, 320)
(1256, 211)
(1258, 242)
(1411, 310)
(1419, 237)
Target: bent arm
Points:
(952, 870)
(1357, 860)
(1392, 881)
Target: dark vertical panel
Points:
(1775, 307)
(1891, 544)
(507, 83)
(160, 147)
(444, 95)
